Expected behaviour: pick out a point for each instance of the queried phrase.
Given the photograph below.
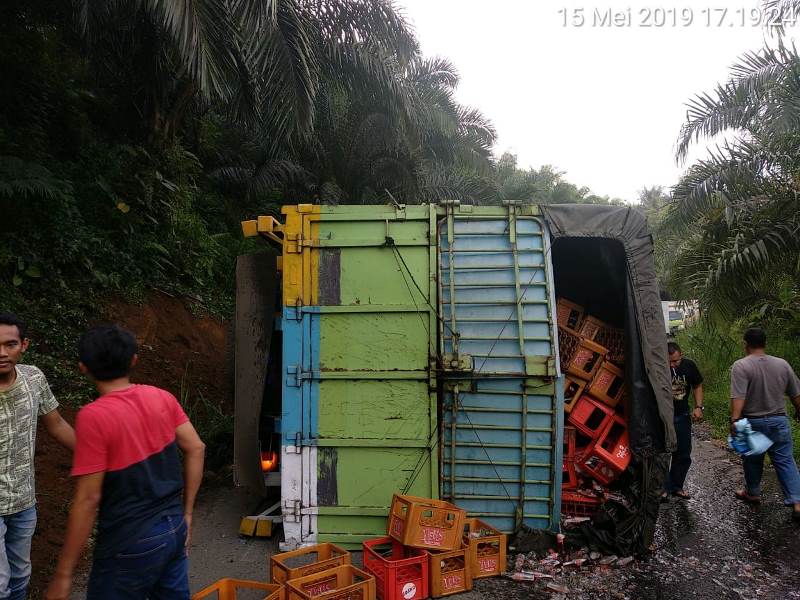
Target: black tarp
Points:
(603, 259)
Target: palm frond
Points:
(24, 179)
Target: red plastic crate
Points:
(569, 480)
(598, 469)
(586, 360)
(573, 390)
(401, 573)
(608, 384)
(576, 504)
(613, 447)
(590, 417)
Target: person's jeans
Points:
(153, 567)
(16, 532)
(682, 457)
(781, 453)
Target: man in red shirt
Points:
(126, 464)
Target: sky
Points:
(603, 103)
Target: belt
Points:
(777, 414)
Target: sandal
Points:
(745, 497)
(681, 494)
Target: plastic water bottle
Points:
(748, 442)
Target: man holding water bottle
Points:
(759, 384)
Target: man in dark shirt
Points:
(127, 464)
(686, 381)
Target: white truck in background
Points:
(679, 314)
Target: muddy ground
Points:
(711, 546)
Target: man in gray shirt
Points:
(759, 384)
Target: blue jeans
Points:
(682, 457)
(16, 532)
(781, 453)
(153, 567)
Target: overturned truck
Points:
(415, 349)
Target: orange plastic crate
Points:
(426, 523)
(586, 360)
(337, 583)
(608, 384)
(401, 573)
(613, 339)
(450, 572)
(307, 561)
(569, 314)
(573, 390)
(486, 549)
(227, 589)
(568, 341)
(590, 417)
(575, 504)
(590, 328)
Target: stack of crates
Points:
(432, 550)
(596, 450)
(322, 572)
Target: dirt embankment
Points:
(181, 349)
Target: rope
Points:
(410, 293)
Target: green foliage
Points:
(214, 425)
(737, 212)
(545, 186)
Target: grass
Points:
(715, 351)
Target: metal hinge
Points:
(291, 511)
(293, 243)
(294, 313)
(296, 375)
(296, 443)
(458, 362)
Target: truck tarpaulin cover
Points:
(618, 248)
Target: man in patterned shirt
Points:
(24, 396)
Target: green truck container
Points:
(419, 354)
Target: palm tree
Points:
(259, 62)
(412, 142)
(737, 212)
